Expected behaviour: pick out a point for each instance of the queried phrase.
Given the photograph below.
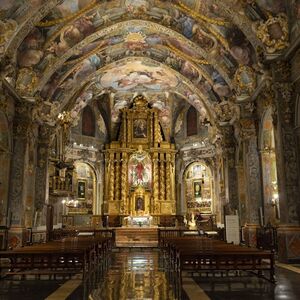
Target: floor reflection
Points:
(134, 275)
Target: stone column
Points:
(287, 165)
(229, 160)
(253, 179)
(18, 181)
(5, 161)
(42, 176)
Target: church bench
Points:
(204, 254)
(56, 257)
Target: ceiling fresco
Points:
(208, 53)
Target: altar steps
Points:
(137, 237)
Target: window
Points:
(191, 121)
(88, 122)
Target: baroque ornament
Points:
(274, 33)
(245, 80)
(7, 29)
(227, 111)
(26, 81)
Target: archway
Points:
(198, 189)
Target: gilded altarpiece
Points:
(140, 166)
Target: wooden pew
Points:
(204, 254)
(67, 256)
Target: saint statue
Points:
(139, 169)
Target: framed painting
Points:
(140, 128)
(197, 188)
(81, 189)
(139, 204)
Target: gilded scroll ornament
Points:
(7, 29)
(274, 33)
(26, 81)
(245, 80)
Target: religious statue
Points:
(140, 169)
(192, 223)
(139, 204)
(197, 189)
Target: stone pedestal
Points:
(288, 243)
(17, 237)
(250, 234)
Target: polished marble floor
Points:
(139, 274)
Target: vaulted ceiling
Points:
(63, 54)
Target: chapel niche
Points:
(199, 189)
(140, 166)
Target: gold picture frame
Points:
(140, 129)
(81, 189)
(197, 188)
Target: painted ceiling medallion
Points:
(135, 37)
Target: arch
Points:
(85, 183)
(198, 188)
(93, 83)
(88, 122)
(42, 11)
(191, 121)
(100, 34)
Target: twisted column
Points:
(162, 176)
(124, 185)
(112, 177)
(117, 180)
(168, 177)
(155, 207)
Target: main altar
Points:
(140, 169)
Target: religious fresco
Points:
(138, 75)
(77, 38)
(140, 171)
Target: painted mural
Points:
(197, 39)
(138, 75)
(140, 170)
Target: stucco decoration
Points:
(274, 33)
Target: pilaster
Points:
(22, 130)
